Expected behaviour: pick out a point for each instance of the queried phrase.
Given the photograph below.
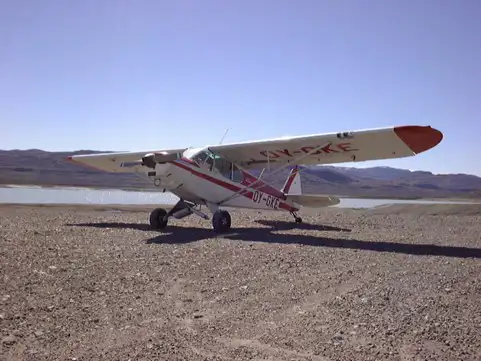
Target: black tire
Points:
(298, 220)
(221, 221)
(157, 219)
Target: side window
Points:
(224, 167)
(237, 175)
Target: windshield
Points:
(219, 164)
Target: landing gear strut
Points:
(296, 217)
(159, 217)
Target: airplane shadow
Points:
(285, 226)
(178, 235)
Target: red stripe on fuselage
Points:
(261, 186)
(229, 186)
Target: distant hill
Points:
(379, 173)
(40, 167)
(421, 179)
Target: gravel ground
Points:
(92, 284)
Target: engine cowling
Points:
(149, 161)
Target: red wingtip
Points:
(419, 138)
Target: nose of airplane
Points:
(162, 169)
(419, 138)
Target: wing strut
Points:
(240, 191)
(262, 173)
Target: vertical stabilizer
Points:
(292, 186)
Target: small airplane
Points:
(218, 176)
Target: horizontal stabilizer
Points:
(314, 200)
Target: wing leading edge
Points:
(124, 162)
(354, 146)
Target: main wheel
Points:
(221, 221)
(157, 219)
(298, 220)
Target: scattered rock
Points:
(9, 340)
(183, 293)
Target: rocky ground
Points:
(96, 284)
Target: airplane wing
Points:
(125, 162)
(353, 146)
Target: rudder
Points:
(293, 183)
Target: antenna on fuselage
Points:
(222, 139)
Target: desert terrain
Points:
(94, 283)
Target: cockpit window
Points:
(216, 163)
(204, 158)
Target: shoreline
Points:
(91, 188)
(154, 190)
(433, 209)
(86, 207)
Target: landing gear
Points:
(296, 217)
(158, 219)
(221, 221)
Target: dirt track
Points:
(350, 285)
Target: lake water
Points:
(115, 196)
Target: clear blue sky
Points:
(135, 75)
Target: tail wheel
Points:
(297, 219)
(221, 221)
(157, 220)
